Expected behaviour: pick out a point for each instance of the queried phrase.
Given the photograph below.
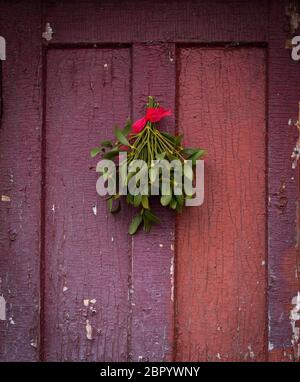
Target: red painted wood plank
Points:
(87, 249)
(153, 254)
(168, 20)
(20, 180)
(221, 250)
(284, 95)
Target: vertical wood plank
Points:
(20, 180)
(87, 249)
(153, 254)
(283, 243)
(221, 251)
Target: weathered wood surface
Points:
(145, 269)
(20, 180)
(221, 246)
(283, 208)
(87, 250)
(153, 255)
(167, 20)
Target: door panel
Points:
(86, 259)
(57, 252)
(221, 245)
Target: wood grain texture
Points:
(283, 211)
(20, 180)
(221, 250)
(87, 249)
(164, 20)
(153, 254)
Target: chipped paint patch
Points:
(86, 302)
(88, 330)
(295, 317)
(94, 208)
(161, 245)
(172, 278)
(11, 321)
(65, 288)
(263, 263)
(2, 308)
(33, 343)
(172, 247)
(251, 353)
(270, 346)
(5, 198)
(93, 301)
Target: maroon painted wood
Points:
(142, 323)
(220, 246)
(86, 248)
(153, 69)
(20, 180)
(167, 20)
(283, 237)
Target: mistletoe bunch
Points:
(144, 141)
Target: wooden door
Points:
(217, 283)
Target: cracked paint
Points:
(89, 330)
(2, 308)
(294, 317)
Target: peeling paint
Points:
(294, 317)
(86, 302)
(11, 321)
(89, 330)
(172, 247)
(172, 278)
(94, 208)
(2, 308)
(5, 198)
(33, 343)
(251, 353)
(270, 346)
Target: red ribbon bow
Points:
(154, 114)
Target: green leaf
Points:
(170, 137)
(113, 207)
(129, 199)
(178, 139)
(111, 154)
(188, 172)
(121, 138)
(136, 221)
(165, 200)
(173, 204)
(145, 201)
(147, 225)
(171, 157)
(95, 151)
(189, 151)
(127, 127)
(137, 200)
(199, 153)
(180, 199)
(150, 216)
(107, 144)
(160, 156)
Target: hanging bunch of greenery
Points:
(143, 141)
